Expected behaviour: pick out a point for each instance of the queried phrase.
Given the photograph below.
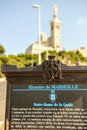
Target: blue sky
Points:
(19, 23)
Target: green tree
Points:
(4, 59)
(2, 49)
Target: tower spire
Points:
(55, 30)
(55, 16)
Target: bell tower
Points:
(55, 30)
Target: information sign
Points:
(51, 96)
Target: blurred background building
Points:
(51, 43)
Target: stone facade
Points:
(51, 43)
(1, 125)
(83, 51)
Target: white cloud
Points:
(82, 21)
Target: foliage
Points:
(2, 49)
(72, 56)
(4, 59)
(23, 60)
(28, 60)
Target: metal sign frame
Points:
(49, 72)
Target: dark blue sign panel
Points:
(49, 107)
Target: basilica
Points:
(51, 43)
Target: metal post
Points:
(39, 39)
